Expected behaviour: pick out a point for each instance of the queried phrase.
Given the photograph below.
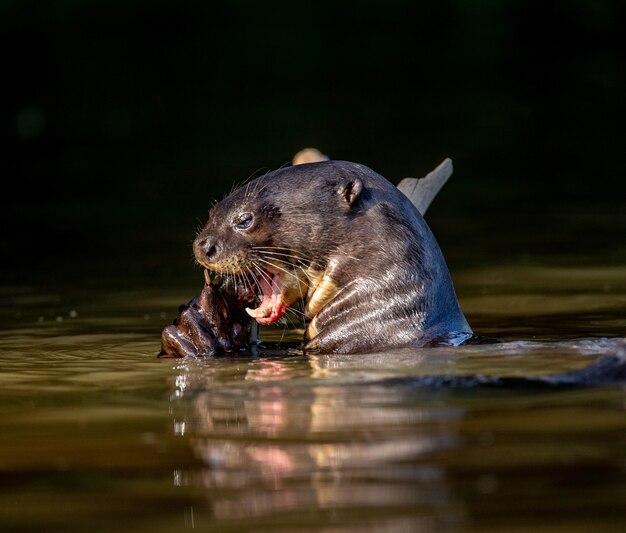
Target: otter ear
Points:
(350, 190)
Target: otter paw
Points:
(204, 327)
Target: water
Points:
(99, 434)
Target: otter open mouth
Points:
(272, 306)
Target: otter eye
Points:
(243, 221)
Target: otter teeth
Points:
(259, 313)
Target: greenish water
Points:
(98, 434)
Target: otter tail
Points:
(607, 370)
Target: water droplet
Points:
(179, 428)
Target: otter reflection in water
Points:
(333, 438)
(274, 439)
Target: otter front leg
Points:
(210, 324)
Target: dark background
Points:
(122, 120)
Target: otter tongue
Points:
(271, 308)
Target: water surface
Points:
(99, 434)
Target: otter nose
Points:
(205, 249)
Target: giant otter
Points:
(336, 236)
(355, 251)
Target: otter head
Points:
(274, 233)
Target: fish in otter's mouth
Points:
(273, 289)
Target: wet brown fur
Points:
(349, 244)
